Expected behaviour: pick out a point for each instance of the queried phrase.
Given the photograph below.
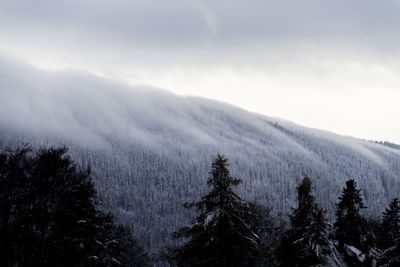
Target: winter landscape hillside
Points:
(150, 150)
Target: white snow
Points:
(353, 250)
(210, 217)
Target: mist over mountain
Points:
(150, 150)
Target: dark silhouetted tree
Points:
(269, 228)
(349, 224)
(13, 186)
(219, 236)
(48, 214)
(391, 256)
(307, 242)
(390, 232)
(369, 249)
(390, 227)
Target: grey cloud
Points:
(131, 22)
(186, 23)
(129, 35)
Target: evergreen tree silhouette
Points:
(49, 214)
(390, 227)
(13, 178)
(307, 242)
(390, 231)
(349, 224)
(219, 236)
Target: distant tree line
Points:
(389, 144)
(229, 231)
(49, 215)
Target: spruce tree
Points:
(307, 242)
(269, 228)
(369, 249)
(349, 223)
(390, 231)
(49, 214)
(390, 227)
(219, 236)
(391, 256)
(13, 178)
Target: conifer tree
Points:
(390, 229)
(12, 179)
(349, 223)
(269, 228)
(219, 235)
(49, 214)
(369, 249)
(391, 256)
(307, 242)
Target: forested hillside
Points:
(150, 150)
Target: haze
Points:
(331, 65)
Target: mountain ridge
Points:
(150, 150)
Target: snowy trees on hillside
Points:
(143, 184)
(49, 215)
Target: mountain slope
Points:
(150, 150)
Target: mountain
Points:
(150, 150)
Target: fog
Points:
(330, 65)
(89, 109)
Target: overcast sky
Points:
(333, 65)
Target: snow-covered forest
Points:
(50, 216)
(150, 150)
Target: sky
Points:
(332, 65)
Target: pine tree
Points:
(269, 228)
(320, 243)
(369, 249)
(349, 223)
(127, 250)
(303, 214)
(49, 214)
(391, 256)
(390, 229)
(13, 180)
(219, 236)
(307, 242)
